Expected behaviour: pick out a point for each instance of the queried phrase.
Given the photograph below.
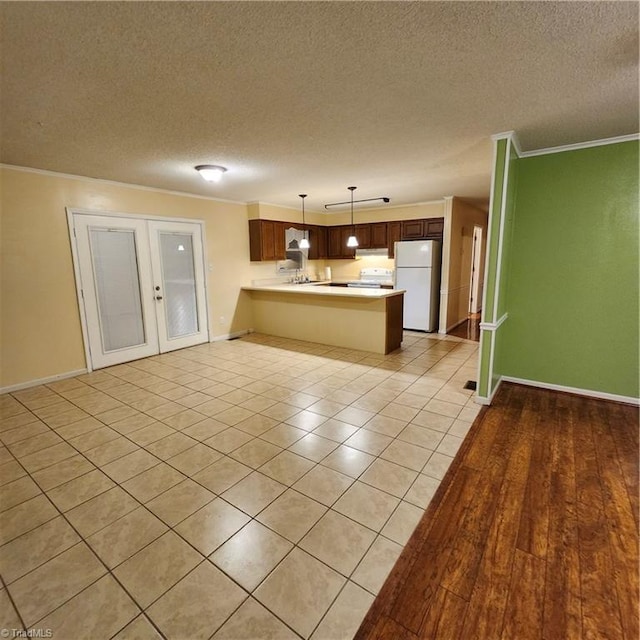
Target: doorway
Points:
(475, 284)
(141, 286)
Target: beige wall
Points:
(40, 323)
(40, 332)
(433, 209)
(464, 216)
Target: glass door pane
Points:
(177, 261)
(178, 277)
(115, 267)
(114, 278)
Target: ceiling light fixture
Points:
(304, 243)
(341, 204)
(211, 172)
(352, 241)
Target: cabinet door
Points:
(346, 252)
(334, 242)
(393, 236)
(255, 240)
(434, 228)
(363, 234)
(266, 240)
(412, 229)
(278, 241)
(379, 235)
(318, 241)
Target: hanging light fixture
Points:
(352, 241)
(304, 243)
(211, 172)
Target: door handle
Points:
(158, 297)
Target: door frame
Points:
(71, 211)
(475, 298)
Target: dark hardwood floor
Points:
(469, 329)
(532, 534)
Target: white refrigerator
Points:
(418, 272)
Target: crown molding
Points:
(580, 145)
(139, 187)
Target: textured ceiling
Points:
(398, 98)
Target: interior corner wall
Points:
(41, 334)
(572, 292)
(464, 217)
(499, 230)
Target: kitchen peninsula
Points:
(363, 319)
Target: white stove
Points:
(373, 278)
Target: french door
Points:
(142, 286)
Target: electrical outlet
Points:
(222, 319)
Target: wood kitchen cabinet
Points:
(266, 240)
(412, 229)
(266, 237)
(334, 242)
(394, 233)
(363, 234)
(426, 229)
(337, 242)
(379, 233)
(318, 241)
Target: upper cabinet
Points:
(318, 242)
(266, 237)
(429, 228)
(379, 235)
(266, 240)
(394, 233)
(337, 242)
(363, 235)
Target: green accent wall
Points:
(494, 229)
(572, 264)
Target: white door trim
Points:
(71, 211)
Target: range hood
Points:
(381, 253)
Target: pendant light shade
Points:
(352, 241)
(304, 243)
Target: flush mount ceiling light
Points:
(304, 243)
(211, 172)
(352, 241)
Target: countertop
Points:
(327, 290)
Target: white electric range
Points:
(373, 278)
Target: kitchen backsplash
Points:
(350, 269)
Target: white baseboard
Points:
(487, 400)
(457, 324)
(229, 336)
(36, 383)
(580, 392)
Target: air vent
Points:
(470, 384)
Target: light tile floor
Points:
(256, 488)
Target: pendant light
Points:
(304, 243)
(352, 241)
